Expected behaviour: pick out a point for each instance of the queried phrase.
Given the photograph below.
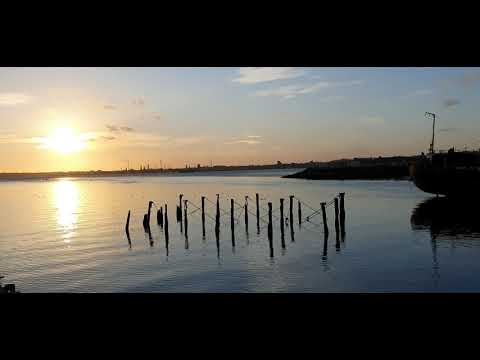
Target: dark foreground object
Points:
(447, 218)
(454, 174)
(8, 289)
(353, 173)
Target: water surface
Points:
(67, 235)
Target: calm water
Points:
(68, 235)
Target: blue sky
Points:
(231, 115)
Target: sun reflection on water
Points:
(66, 203)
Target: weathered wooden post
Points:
(258, 213)
(203, 216)
(127, 228)
(342, 213)
(166, 225)
(186, 219)
(324, 219)
(180, 207)
(145, 222)
(291, 211)
(150, 203)
(299, 213)
(336, 215)
(217, 217)
(160, 217)
(232, 224)
(246, 214)
(232, 221)
(290, 221)
(282, 224)
(270, 228)
(150, 236)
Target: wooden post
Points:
(150, 203)
(180, 205)
(160, 217)
(290, 221)
(186, 219)
(270, 228)
(336, 214)
(291, 211)
(299, 213)
(203, 216)
(127, 225)
(342, 213)
(127, 228)
(324, 219)
(217, 217)
(282, 224)
(231, 216)
(145, 222)
(232, 221)
(166, 225)
(342, 204)
(246, 214)
(258, 213)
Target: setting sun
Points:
(64, 141)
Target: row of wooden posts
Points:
(162, 218)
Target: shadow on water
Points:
(325, 246)
(447, 219)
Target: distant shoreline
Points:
(379, 168)
(353, 173)
(132, 173)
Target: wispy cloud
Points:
(138, 101)
(451, 102)
(249, 140)
(117, 129)
(110, 107)
(10, 99)
(292, 91)
(251, 75)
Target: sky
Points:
(65, 119)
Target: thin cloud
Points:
(292, 91)
(138, 101)
(116, 129)
(249, 140)
(108, 138)
(11, 99)
(110, 107)
(251, 75)
(450, 102)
